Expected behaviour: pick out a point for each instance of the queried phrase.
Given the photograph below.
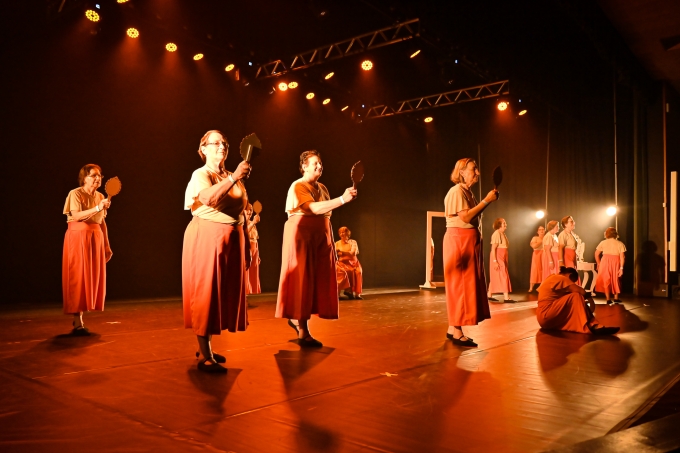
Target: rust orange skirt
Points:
(83, 270)
(499, 281)
(570, 261)
(568, 313)
(536, 275)
(350, 274)
(214, 278)
(608, 275)
(547, 272)
(253, 280)
(464, 279)
(308, 282)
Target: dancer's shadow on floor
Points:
(216, 385)
(617, 315)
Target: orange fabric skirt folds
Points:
(608, 275)
(308, 283)
(350, 274)
(499, 281)
(546, 264)
(214, 278)
(83, 270)
(253, 280)
(464, 278)
(570, 261)
(569, 313)
(536, 275)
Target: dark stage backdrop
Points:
(69, 99)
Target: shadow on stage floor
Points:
(386, 380)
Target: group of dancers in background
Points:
(220, 250)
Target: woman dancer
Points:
(466, 299)
(536, 274)
(253, 280)
(499, 281)
(551, 250)
(308, 282)
(86, 248)
(216, 254)
(567, 242)
(349, 268)
(610, 257)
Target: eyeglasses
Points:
(96, 175)
(224, 145)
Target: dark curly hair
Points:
(304, 157)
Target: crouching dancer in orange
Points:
(562, 305)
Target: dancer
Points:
(349, 269)
(253, 280)
(465, 283)
(499, 280)
(216, 254)
(551, 250)
(86, 248)
(562, 305)
(610, 257)
(536, 274)
(308, 282)
(567, 242)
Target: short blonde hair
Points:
(343, 229)
(460, 165)
(552, 224)
(611, 233)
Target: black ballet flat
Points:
(219, 358)
(509, 301)
(609, 302)
(603, 330)
(210, 367)
(467, 342)
(493, 299)
(359, 297)
(290, 323)
(80, 331)
(618, 301)
(309, 342)
(450, 337)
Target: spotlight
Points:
(198, 56)
(344, 108)
(310, 95)
(540, 214)
(329, 75)
(292, 85)
(96, 5)
(367, 65)
(611, 211)
(428, 119)
(523, 112)
(132, 33)
(92, 15)
(229, 67)
(415, 53)
(170, 47)
(503, 105)
(122, 1)
(283, 86)
(326, 101)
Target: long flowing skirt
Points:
(464, 279)
(608, 275)
(570, 261)
(253, 280)
(499, 280)
(536, 275)
(349, 274)
(569, 312)
(308, 282)
(214, 278)
(83, 270)
(547, 272)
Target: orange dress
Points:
(499, 280)
(558, 310)
(551, 241)
(610, 264)
(536, 274)
(253, 280)
(350, 273)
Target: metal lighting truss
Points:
(383, 37)
(476, 93)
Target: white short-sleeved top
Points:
(301, 192)
(551, 241)
(568, 240)
(79, 200)
(500, 239)
(457, 200)
(611, 246)
(230, 208)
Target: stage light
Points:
(198, 56)
(367, 65)
(170, 47)
(310, 95)
(611, 211)
(92, 15)
(415, 53)
(503, 105)
(292, 85)
(344, 108)
(428, 119)
(329, 75)
(229, 67)
(97, 5)
(326, 101)
(283, 86)
(523, 112)
(122, 1)
(132, 32)
(540, 214)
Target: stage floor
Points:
(387, 379)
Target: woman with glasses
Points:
(86, 248)
(568, 242)
(216, 252)
(308, 284)
(350, 273)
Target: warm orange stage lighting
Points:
(367, 65)
(283, 86)
(92, 15)
(415, 53)
(198, 56)
(310, 95)
(170, 47)
(132, 33)
(229, 67)
(329, 75)
(523, 112)
(344, 108)
(428, 119)
(502, 106)
(122, 1)
(326, 101)
(292, 85)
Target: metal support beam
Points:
(476, 93)
(383, 37)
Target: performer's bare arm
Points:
(493, 254)
(107, 246)
(622, 260)
(561, 253)
(322, 207)
(535, 242)
(80, 216)
(468, 215)
(598, 254)
(212, 195)
(548, 256)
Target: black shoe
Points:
(603, 330)
(359, 297)
(618, 301)
(493, 299)
(80, 331)
(609, 302)
(309, 342)
(450, 337)
(509, 301)
(290, 323)
(210, 367)
(457, 341)
(218, 357)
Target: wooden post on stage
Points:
(429, 254)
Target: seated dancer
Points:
(253, 280)
(349, 268)
(610, 256)
(551, 250)
(499, 280)
(308, 282)
(536, 274)
(567, 243)
(562, 305)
